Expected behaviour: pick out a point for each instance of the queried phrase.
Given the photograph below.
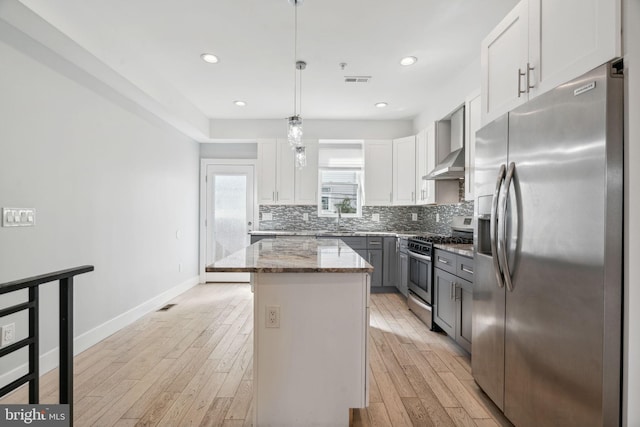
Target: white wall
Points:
(110, 187)
(450, 95)
(631, 43)
(229, 150)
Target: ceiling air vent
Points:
(357, 79)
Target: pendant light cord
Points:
(295, 58)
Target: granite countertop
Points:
(456, 248)
(294, 255)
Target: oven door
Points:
(420, 276)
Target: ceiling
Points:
(157, 44)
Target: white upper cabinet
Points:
(503, 57)
(404, 171)
(541, 44)
(306, 179)
(276, 172)
(472, 124)
(378, 172)
(425, 162)
(570, 37)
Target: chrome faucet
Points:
(339, 209)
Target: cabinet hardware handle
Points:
(451, 291)
(520, 75)
(457, 295)
(273, 196)
(529, 70)
(442, 260)
(375, 243)
(466, 270)
(277, 196)
(391, 197)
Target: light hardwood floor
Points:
(192, 366)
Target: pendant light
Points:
(294, 123)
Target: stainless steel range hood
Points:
(452, 167)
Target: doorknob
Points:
(249, 223)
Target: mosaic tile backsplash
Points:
(392, 218)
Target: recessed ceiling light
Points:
(209, 57)
(381, 104)
(240, 103)
(408, 60)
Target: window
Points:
(340, 178)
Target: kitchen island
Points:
(311, 317)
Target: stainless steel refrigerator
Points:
(547, 298)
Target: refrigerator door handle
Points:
(494, 227)
(502, 227)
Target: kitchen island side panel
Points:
(313, 368)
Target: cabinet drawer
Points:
(464, 268)
(445, 261)
(374, 242)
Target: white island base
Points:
(314, 367)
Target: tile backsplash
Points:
(392, 218)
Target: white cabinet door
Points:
(421, 167)
(570, 37)
(472, 124)
(378, 175)
(267, 166)
(306, 180)
(404, 171)
(504, 57)
(430, 185)
(285, 172)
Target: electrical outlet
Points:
(273, 316)
(305, 216)
(8, 334)
(267, 216)
(375, 217)
(414, 217)
(437, 217)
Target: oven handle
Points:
(419, 256)
(494, 228)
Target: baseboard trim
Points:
(49, 360)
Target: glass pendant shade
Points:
(301, 157)
(294, 134)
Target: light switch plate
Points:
(267, 216)
(18, 217)
(414, 217)
(305, 216)
(375, 217)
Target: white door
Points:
(230, 215)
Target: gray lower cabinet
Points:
(403, 274)
(402, 266)
(389, 263)
(258, 237)
(453, 297)
(375, 259)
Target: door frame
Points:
(204, 164)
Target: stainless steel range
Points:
(420, 249)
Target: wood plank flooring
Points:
(192, 366)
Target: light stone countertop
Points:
(456, 248)
(294, 255)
